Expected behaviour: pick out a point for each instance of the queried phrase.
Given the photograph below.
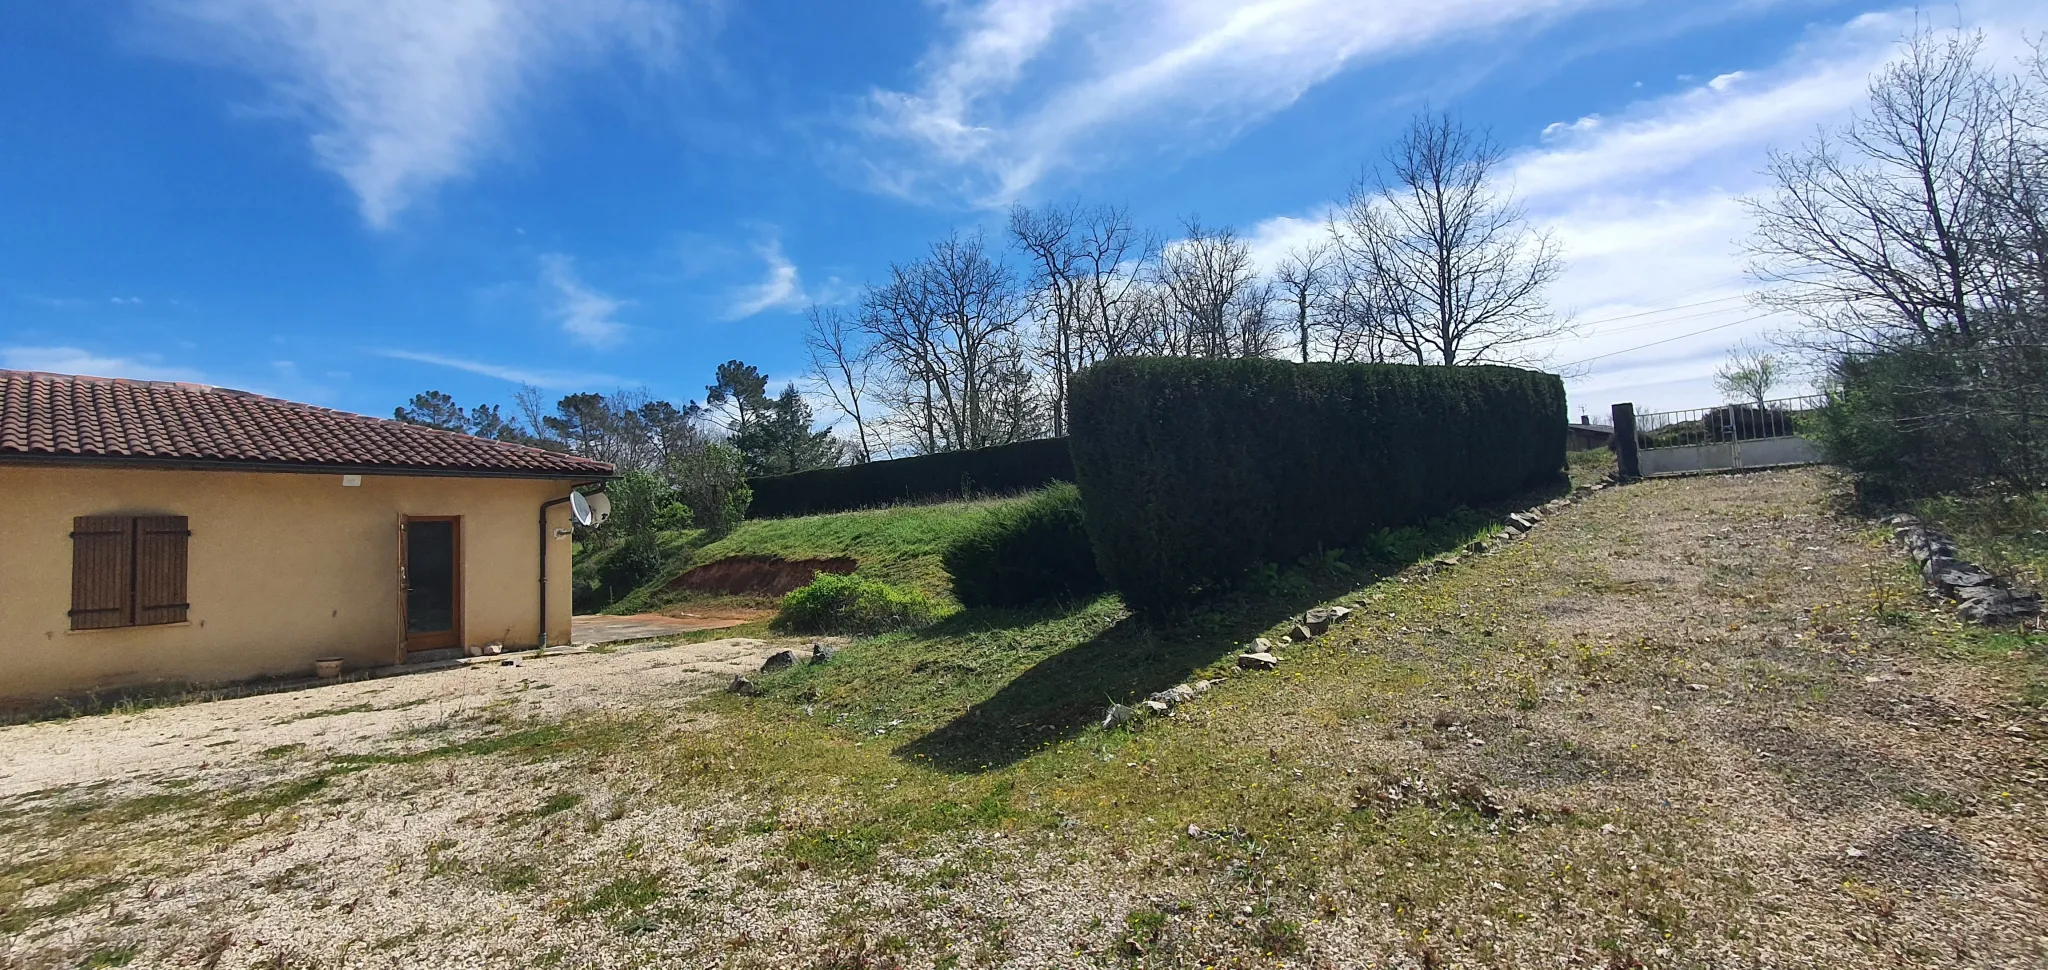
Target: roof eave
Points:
(579, 475)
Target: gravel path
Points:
(168, 741)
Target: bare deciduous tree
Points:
(1050, 239)
(1443, 257)
(1303, 279)
(947, 327)
(1914, 242)
(2015, 186)
(844, 367)
(1876, 230)
(1086, 265)
(532, 405)
(1211, 300)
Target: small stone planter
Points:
(327, 668)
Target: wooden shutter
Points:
(160, 542)
(102, 571)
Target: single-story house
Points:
(160, 532)
(1587, 436)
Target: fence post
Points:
(1625, 442)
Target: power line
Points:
(1665, 321)
(1645, 313)
(1666, 340)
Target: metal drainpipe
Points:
(544, 507)
(543, 551)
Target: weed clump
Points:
(834, 603)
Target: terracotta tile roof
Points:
(60, 417)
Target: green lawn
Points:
(1587, 467)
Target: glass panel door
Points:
(432, 584)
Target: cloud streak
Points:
(1021, 88)
(550, 380)
(586, 315)
(75, 360)
(781, 289)
(403, 96)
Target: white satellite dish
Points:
(579, 508)
(600, 507)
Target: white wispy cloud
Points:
(1561, 129)
(548, 379)
(1019, 88)
(77, 302)
(75, 360)
(585, 314)
(1675, 135)
(781, 288)
(402, 95)
(1647, 206)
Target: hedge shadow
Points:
(1068, 692)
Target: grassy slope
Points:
(899, 545)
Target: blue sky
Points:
(348, 201)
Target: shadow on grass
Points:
(1064, 694)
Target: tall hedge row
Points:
(1195, 471)
(1003, 468)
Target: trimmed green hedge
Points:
(1003, 468)
(1196, 471)
(1031, 551)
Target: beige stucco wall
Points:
(284, 568)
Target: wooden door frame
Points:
(438, 640)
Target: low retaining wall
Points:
(1984, 598)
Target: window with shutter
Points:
(160, 569)
(102, 571)
(128, 570)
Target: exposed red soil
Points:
(759, 575)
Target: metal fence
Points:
(1781, 418)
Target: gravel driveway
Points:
(126, 748)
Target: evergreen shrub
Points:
(948, 474)
(1195, 472)
(1029, 552)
